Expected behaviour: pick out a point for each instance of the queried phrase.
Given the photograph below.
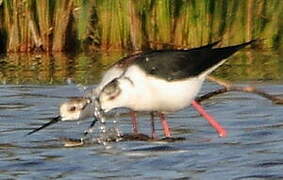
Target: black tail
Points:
(225, 52)
(217, 56)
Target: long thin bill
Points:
(53, 121)
(91, 126)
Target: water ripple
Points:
(252, 150)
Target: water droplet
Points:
(69, 81)
(81, 87)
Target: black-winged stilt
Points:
(162, 81)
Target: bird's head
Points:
(74, 109)
(114, 95)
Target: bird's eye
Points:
(112, 97)
(73, 108)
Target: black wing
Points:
(180, 64)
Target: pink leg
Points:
(134, 122)
(153, 133)
(165, 125)
(220, 130)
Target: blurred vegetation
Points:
(76, 25)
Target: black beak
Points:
(90, 126)
(97, 115)
(53, 121)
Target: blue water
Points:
(252, 150)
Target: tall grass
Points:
(53, 25)
(113, 23)
(62, 16)
(44, 23)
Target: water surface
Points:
(252, 150)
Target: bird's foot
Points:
(172, 139)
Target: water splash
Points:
(69, 81)
(98, 115)
(116, 125)
(105, 134)
(82, 88)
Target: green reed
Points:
(53, 25)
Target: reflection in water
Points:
(252, 150)
(87, 68)
(54, 69)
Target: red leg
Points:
(153, 133)
(220, 130)
(165, 125)
(134, 122)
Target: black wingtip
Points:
(52, 121)
(249, 42)
(229, 50)
(207, 46)
(215, 43)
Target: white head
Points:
(74, 109)
(116, 94)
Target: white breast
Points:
(154, 94)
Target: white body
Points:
(148, 93)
